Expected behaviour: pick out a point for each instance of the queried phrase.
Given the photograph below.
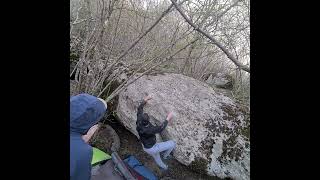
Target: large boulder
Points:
(211, 131)
(106, 139)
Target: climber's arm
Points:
(140, 108)
(159, 129)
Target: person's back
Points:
(80, 158)
(147, 139)
(85, 113)
(147, 134)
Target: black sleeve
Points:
(157, 129)
(140, 110)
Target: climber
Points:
(85, 113)
(147, 136)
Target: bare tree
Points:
(112, 39)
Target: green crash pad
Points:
(99, 156)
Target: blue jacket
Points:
(85, 111)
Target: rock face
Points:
(106, 139)
(210, 130)
(220, 80)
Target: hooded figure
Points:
(85, 112)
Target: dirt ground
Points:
(129, 145)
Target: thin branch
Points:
(79, 21)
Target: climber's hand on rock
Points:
(147, 98)
(170, 115)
